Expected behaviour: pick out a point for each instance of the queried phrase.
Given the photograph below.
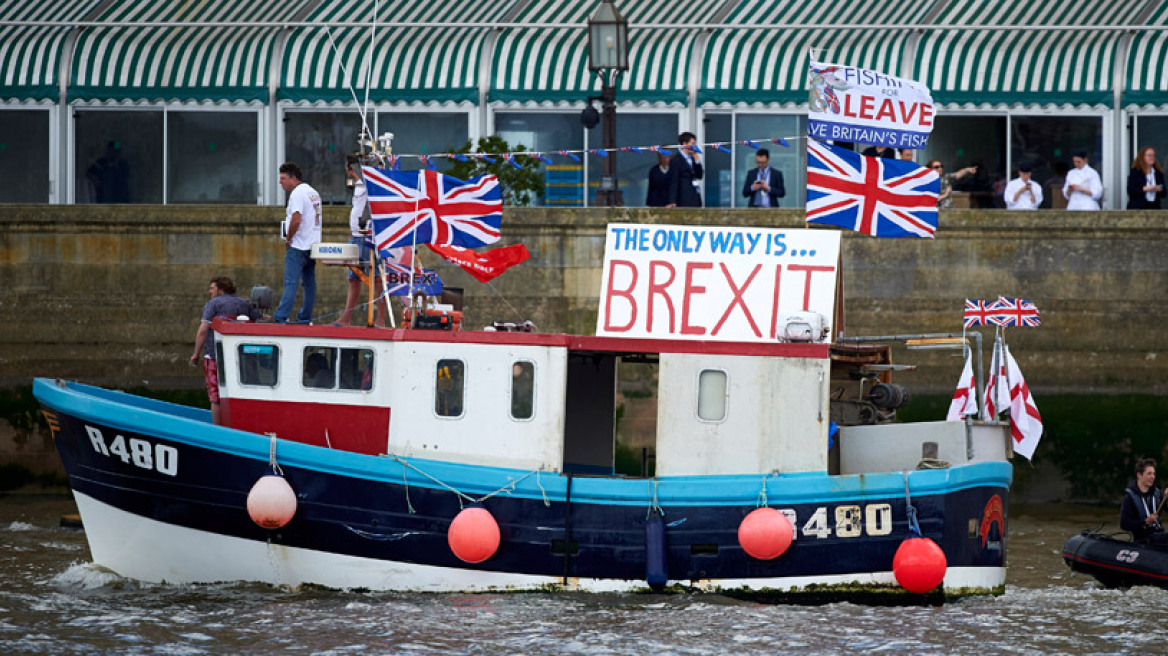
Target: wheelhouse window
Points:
(712, 395)
(522, 390)
(449, 384)
(329, 367)
(259, 364)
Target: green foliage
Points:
(520, 185)
(20, 409)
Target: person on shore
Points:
(658, 192)
(359, 238)
(764, 185)
(1140, 510)
(302, 230)
(685, 174)
(905, 154)
(1023, 193)
(945, 198)
(1145, 183)
(223, 303)
(1083, 188)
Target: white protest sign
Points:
(714, 283)
(864, 106)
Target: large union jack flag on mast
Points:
(873, 195)
(442, 210)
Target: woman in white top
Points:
(1145, 183)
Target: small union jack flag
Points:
(1016, 312)
(980, 313)
(441, 209)
(873, 195)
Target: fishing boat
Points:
(1117, 563)
(447, 459)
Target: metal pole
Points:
(609, 193)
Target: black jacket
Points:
(1134, 509)
(1135, 190)
(682, 191)
(658, 193)
(776, 182)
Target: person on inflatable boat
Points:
(1140, 510)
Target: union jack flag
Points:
(1016, 312)
(981, 313)
(873, 195)
(440, 209)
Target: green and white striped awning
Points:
(178, 63)
(551, 65)
(770, 66)
(1147, 76)
(30, 57)
(1023, 67)
(422, 64)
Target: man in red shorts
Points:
(223, 303)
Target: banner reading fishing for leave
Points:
(714, 283)
(864, 106)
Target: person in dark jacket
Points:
(685, 174)
(658, 194)
(1140, 510)
(1145, 183)
(764, 185)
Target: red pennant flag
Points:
(486, 265)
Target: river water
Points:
(53, 601)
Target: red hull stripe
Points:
(360, 429)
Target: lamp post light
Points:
(608, 57)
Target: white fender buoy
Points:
(271, 502)
(765, 533)
(919, 565)
(473, 535)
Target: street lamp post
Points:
(608, 57)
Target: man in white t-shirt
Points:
(360, 238)
(301, 230)
(1023, 193)
(1083, 188)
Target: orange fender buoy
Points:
(271, 502)
(919, 565)
(473, 535)
(765, 533)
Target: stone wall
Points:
(111, 294)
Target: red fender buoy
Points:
(271, 502)
(919, 565)
(473, 535)
(765, 533)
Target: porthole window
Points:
(712, 395)
(522, 390)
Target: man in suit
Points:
(685, 174)
(764, 185)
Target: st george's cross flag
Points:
(426, 207)
(997, 391)
(1025, 422)
(873, 195)
(965, 398)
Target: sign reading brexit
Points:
(714, 283)
(863, 106)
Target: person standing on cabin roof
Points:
(223, 303)
(359, 237)
(302, 230)
(1140, 510)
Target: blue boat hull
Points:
(167, 466)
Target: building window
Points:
(632, 169)
(24, 156)
(426, 133)
(563, 180)
(790, 162)
(448, 388)
(712, 395)
(259, 364)
(317, 142)
(118, 156)
(212, 157)
(1150, 131)
(522, 390)
(720, 188)
(964, 141)
(1047, 144)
